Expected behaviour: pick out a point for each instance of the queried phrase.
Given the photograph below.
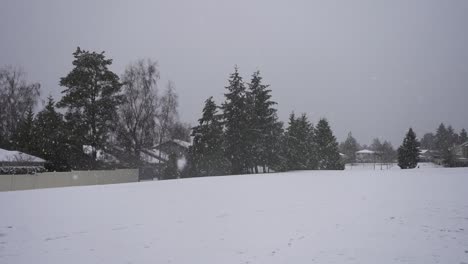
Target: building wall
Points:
(64, 179)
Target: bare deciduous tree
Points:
(138, 113)
(16, 98)
(168, 114)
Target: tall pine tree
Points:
(408, 152)
(91, 97)
(327, 147)
(236, 122)
(298, 149)
(262, 122)
(206, 153)
(349, 148)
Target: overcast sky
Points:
(371, 67)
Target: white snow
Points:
(365, 151)
(388, 216)
(182, 143)
(13, 155)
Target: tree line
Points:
(126, 115)
(98, 109)
(443, 142)
(243, 135)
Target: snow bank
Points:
(389, 216)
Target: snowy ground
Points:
(355, 216)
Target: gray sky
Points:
(371, 67)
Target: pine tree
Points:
(52, 142)
(274, 145)
(428, 141)
(408, 152)
(206, 153)
(463, 137)
(236, 122)
(91, 98)
(442, 141)
(262, 122)
(298, 149)
(327, 147)
(452, 136)
(349, 148)
(24, 139)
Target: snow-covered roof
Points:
(17, 156)
(182, 143)
(153, 156)
(179, 142)
(423, 151)
(365, 151)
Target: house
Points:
(156, 157)
(174, 146)
(461, 154)
(426, 155)
(366, 155)
(16, 162)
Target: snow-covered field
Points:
(355, 216)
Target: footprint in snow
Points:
(119, 228)
(55, 238)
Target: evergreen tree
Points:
(327, 147)
(452, 136)
(170, 169)
(463, 137)
(52, 142)
(428, 141)
(91, 98)
(262, 122)
(24, 138)
(274, 145)
(442, 141)
(408, 152)
(236, 122)
(298, 149)
(349, 148)
(206, 153)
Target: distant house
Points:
(156, 157)
(101, 155)
(426, 155)
(16, 162)
(461, 153)
(174, 146)
(366, 155)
